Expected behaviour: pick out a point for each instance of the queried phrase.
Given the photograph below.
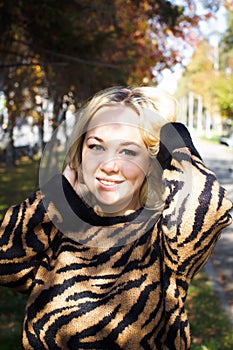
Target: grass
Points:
(213, 138)
(12, 306)
(17, 182)
(210, 327)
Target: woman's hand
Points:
(174, 136)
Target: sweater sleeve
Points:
(25, 234)
(196, 210)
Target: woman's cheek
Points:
(90, 161)
(133, 170)
(136, 168)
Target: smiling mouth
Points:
(109, 182)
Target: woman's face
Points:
(115, 160)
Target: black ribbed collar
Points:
(88, 214)
(64, 199)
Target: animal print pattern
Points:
(129, 296)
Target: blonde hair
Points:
(154, 108)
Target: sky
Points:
(211, 29)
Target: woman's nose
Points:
(110, 165)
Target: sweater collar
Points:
(88, 214)
(75, 219)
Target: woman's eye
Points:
(128, 152)
(96, 147)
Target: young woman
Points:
(106, 250)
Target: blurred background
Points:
(55, 54)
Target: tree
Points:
(49, 46)
(224, 83)
(84, 40)
(212, 82)
(198, 77)
(224, 93)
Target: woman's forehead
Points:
(115, 124)
(119, 114)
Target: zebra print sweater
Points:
(127, 295)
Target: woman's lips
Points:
(110, 184)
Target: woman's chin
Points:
(115, 208)
(107, 209)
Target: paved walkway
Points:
(220, 267)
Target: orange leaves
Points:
(133, 36)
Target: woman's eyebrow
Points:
(130, 143)
(123, 143)
(94, 137)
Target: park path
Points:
(219, 158)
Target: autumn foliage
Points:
(92, 44)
